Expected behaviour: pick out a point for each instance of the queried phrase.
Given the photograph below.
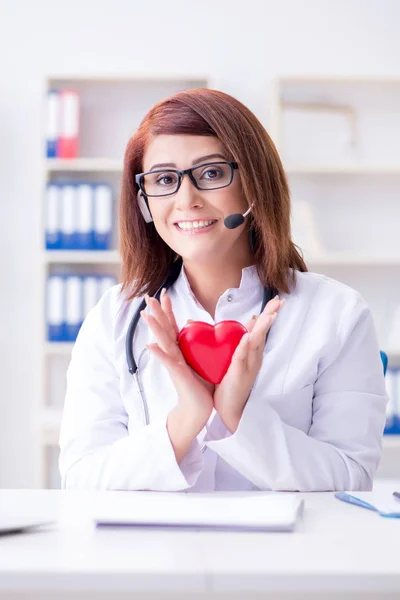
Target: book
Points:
(247, 511)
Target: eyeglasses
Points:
(165, 182)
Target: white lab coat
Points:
(314, 419)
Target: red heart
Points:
(208, 349)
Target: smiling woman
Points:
(205, 211)
(192, 129)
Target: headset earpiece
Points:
(144, 209)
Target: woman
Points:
(305, 411)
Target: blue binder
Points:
(53, 224)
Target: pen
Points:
(396, 495)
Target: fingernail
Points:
(163, 292)
(147, 298)
(283, 302)
(276, 297)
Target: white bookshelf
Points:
(337, 138)
(342, 169)
(103, 257)
(102, 165)
(111, 110)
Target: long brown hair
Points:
(146, 258)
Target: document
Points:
(248, 511)
(381, 502)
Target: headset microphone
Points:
(233, 221)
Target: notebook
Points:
(381, 502)
(248, 511)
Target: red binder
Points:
(68, 141)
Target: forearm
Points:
(275, 455)
(182, 429)
(107, 458)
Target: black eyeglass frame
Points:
(140, 176)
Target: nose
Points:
(187, 196)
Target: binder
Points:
(84, 234)
(55, 309)
(73, 307)
(106, 282)
(102, 216)
(69, 130)
(90, 293)
(53, 227)
(391, 406)
(68, 217)
(397, 401)
(52, 123)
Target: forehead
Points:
(180, 150)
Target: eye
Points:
(166, 179)
(211, 173)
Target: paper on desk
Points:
(258, 511)
(379, 501)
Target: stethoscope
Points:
(269, 293)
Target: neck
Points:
(209, 281)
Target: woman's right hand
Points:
(195, 395)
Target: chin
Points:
(199, 256)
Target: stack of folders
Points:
(62, 123)
(78, 216)
(393, 407)
(69, 300)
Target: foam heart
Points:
(208, 349)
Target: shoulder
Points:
(309, 284)
(329, 299)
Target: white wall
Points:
(241, 45)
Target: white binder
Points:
(102, 216)
(90, 293)
(53, 221)
(106, 282)
(84, 193)
(52, 123)
(69, 212)
(73, 306)
(55, 308)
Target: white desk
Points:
(336, 550)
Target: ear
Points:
(144, 209)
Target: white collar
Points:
(249, 281)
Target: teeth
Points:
(194, 224)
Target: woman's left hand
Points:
(232, 393)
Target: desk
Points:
(337, 550)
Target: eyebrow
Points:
(197, 161)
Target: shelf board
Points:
(391, 441)
(58, 348)
(346, 169)
(82, 256)
(140, 78)
(340, 258)
(85, 164)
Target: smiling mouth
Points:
(195, 226)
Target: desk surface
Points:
(336, 546)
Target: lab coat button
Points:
(229, 298)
